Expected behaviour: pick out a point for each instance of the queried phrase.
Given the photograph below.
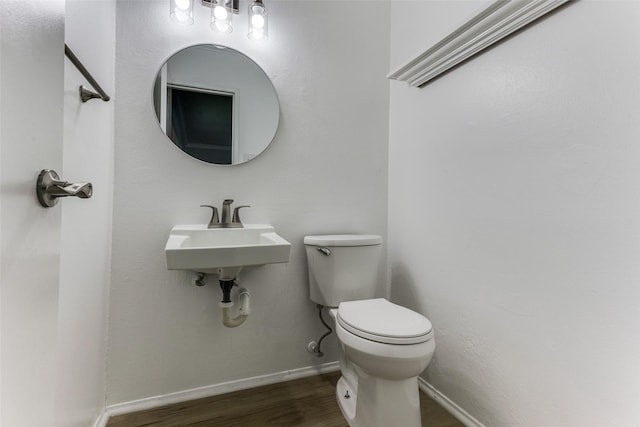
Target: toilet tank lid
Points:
(343, 240)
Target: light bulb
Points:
(221, 17)
(181, 11)
(220, 12)
(183, 4)
(257, 21)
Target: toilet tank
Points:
(343, 267)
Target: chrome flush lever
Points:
(325, 251)
(49, 188)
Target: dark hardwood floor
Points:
(306, 402)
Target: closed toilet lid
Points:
(382, 321)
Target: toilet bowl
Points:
(387, 354)
(383, 346)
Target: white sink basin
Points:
(206, 250)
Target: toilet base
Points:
(378, 402)
(347, 399)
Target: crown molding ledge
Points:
(494, 23)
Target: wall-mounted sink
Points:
(207, 250)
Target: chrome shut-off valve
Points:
(49, 188)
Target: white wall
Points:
(514, 215)
(86, 224)
(325, 172)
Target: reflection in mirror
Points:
(216, 104)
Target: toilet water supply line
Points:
(315, 347)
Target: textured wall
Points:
(515, 214)
(325, 172)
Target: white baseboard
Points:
(462, 415)
(216, 389)
(102, 419)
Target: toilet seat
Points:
(384, 322)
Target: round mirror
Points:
(216, 104)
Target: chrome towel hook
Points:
(49, 188)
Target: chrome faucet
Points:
(227, 220)
(226, 214)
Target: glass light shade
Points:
(258, 23)
(181, 11)
(221, 17)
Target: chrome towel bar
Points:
(86, 94)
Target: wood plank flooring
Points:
(306, 402)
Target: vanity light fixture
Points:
(221, 14)
(181, 11)
(257, 20)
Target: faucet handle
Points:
(236, 213)
(214, 214)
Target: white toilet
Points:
(384, 346)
